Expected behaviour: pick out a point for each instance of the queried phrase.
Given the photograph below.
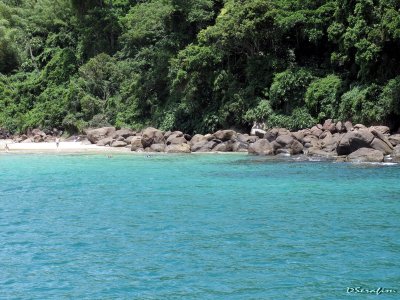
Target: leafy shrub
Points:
(322, 97)
(260, 113)
(288, 88)
(299, 119)
(361, 105)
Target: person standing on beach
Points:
(57, 142)
(6, 148)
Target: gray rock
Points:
(316, 131)
(172, 140)
(124, 133)
(245, 138)
(261, 147)
(204, 146)
(157, 148)
(329, 125)
(38, 132)
(381, 129)
(197, 138)
(271, 135)
(288, 142)
(136, 143)
(38, 139)
(359, 126)
(380, 145)
(340, 127)
(320, 153)
(105, 142)
(396, 154)
(119, 144)
(224, 147)
(95, 135)
(355, 140)
(299, 135)
(240, 147)
(382, 137)
(394, 139)
(225, 135)
(152, 136)
(366, 155)
(349, 126)
(129, 139)
(182, 148)
(28, 140)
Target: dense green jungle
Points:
(198, 65)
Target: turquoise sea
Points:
(196, 227)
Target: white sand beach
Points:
(64, 147)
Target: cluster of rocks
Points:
(154, 140)
(339, 140)
(332, 140)
(36, 136)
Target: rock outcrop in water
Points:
(340, 140)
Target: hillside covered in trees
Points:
(198, 65)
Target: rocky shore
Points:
(337, 141)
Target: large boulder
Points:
(95, 135)
(119, 144)
(224, 147)
(329, 125)
(136, 143)
(38, 138)
(123, 133)
(315, 131)
(340, 127)
(355, 140)
(380, 145)
(105, 142)
(290, 143)
(320, 153)
(240, 147)
(381, 129)
(157, 148)
(394, 139)
(38, 132)
(261, 147)
(396, 154)
(176, 138)
(182, 148)
(366, 155)
(225, 135)
(245, 138)
(349, 126)
(152, 136)
(204, 146)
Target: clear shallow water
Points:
(195, 227)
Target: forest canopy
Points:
(198, 65)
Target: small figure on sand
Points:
(57, 142)
(6, 147)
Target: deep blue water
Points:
(195, 227)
